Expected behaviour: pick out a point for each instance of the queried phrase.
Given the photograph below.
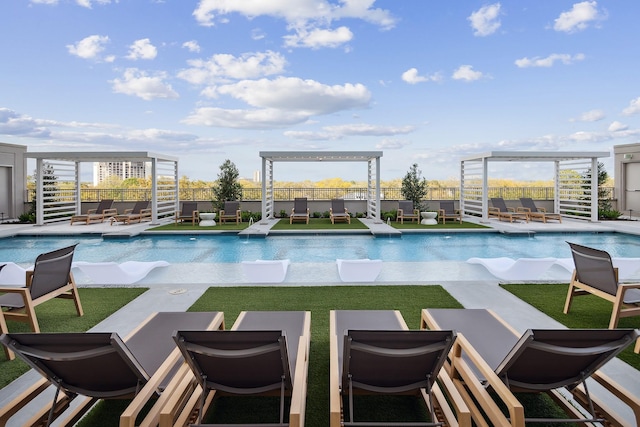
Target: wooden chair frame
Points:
(229, 214)
(620, 308)
(411, 213)
(189, 213)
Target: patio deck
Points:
(464, 282)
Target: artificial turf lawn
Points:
(588, 311)
(59, 315)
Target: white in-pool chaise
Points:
(112, 273)
(266, 271)
(359, 270)
(505, 268)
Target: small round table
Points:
(428, 218)
(207, 219)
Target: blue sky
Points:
(424, 81)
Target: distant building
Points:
(256, 176)
(122, 170)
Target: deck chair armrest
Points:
(460, 368)
(110, 211)
(453, 398)
(24, 290)
(523, 209)
(92, 211)
(492, 209)
(441, 212)
(128, 211)
(511, 209)
(543, 210)
(626, 286)
(299, 393)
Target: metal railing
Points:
(359, 193)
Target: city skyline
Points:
(423, 82)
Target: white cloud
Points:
(617, 126)
(192, 46)
(311, 136)
(309, 20)
(590, 116)
(369, 129)
(633, 108)
(223, 67)
(549, 60)
(142, 49)
(578, 18)
(138, 83)
(317, 38)
(295, 11)
(392, 144)
(280, 102)
(412, 77)
(87, 3)
(50, 2)
(245, 119)
(294, 94)
(89, 47)
(485, 21)
(466, 73)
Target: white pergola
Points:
(373, 176)
(575, 181)
(57, 204)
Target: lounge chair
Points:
(359, 270)
(230, 212)
(373, 352)
(406, 211)
(490, 359)
(50, 278)
(300, 211)
(338, 212)
(188, 213)
(112, 273)
(140, 212)
(519, 269)
(102, 365)
(595, 274)
(266, 271)
(448, 211)
(536, 213)
(265, 353)
(100, 213)
(502, 212)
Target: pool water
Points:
(316, 248)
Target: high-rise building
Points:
(123, 170)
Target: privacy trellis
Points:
(58, 182)
(575, 181)
(373, 173)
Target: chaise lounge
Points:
(87, 367)
(502, 212)
(536, 213)
(300, 211)
(100, 213)
(490, 360)
(595, 274)
(264, 353)
(140, 212)
(338, 212)
(373, 352)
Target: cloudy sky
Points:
(424, 81)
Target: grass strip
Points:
(588, 311)
(319, 224)
(60, 316)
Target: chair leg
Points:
(76, 295)
(4, 330)
(569, 300)
(615, 314)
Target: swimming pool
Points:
(316, 248)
